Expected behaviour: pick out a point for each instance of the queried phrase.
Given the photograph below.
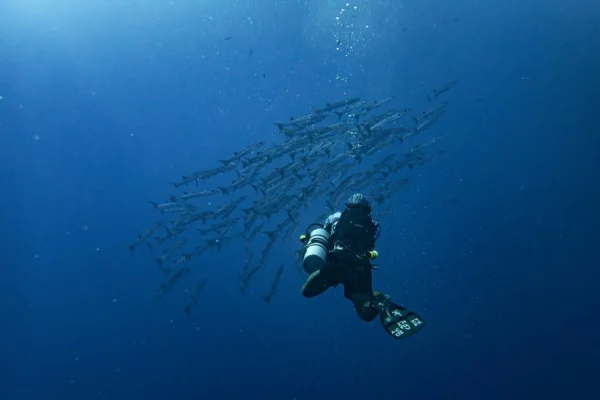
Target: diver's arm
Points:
(331, 221)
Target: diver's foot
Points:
(397, 321)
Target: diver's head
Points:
(357, 200)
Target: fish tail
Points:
(330, 205)
(290, 215)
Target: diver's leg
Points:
(317, 283)
(364, 306)
(358, 287)
(397, 321)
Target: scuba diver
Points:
(340, 252)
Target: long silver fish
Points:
(168, 253)
(242, 153)
(142, 238)
(168, 285)
(377, 104)
(195, 195)
(336, 105)
(194, 297)
(435, 93)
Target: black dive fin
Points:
(398, 322)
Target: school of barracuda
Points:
(320, 157)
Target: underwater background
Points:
(494, 243)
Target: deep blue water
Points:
(494, 244)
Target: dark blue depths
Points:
(493, 243)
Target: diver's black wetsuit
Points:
(355, 274)
(351, 247)
(353, 234)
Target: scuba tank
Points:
(316, 248)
